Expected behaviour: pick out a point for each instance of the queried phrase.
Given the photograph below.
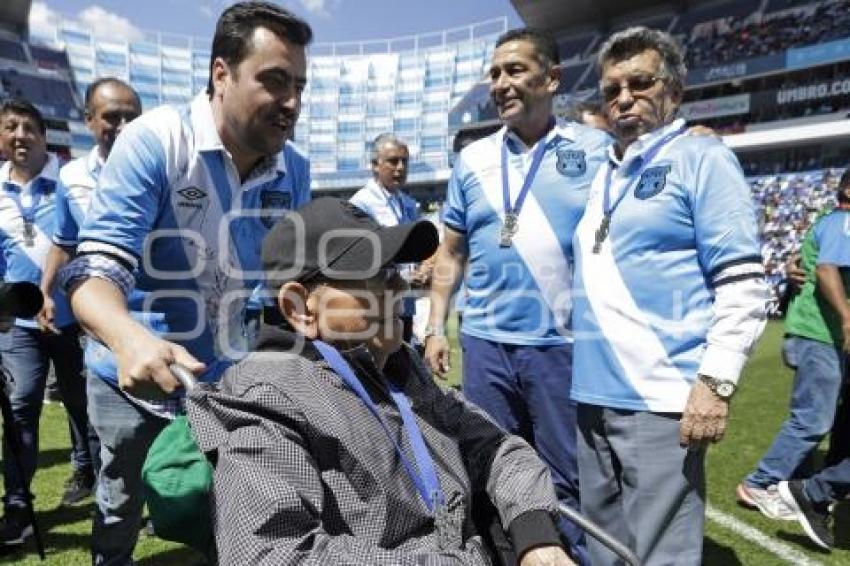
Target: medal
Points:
(601, 233)
(29, 233)
(608, 207)
(510, 225)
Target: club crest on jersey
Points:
(273, 203)
(652, 182)
(571, 162)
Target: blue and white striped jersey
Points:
(677, 287)
(77, 183)
(23, 258)
(522, 294)
(171, 209)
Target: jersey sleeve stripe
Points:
(732, 263)
(120, 254)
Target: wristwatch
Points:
(720, 387)
(433, 331)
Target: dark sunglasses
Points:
(636, 84)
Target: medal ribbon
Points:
(39, 187)
(536, 159)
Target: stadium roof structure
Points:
(558, 15)
(15, 14)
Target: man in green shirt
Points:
(817, 342)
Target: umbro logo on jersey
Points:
(192, 193)
(571, 162)
(652, 182)
(192, 197)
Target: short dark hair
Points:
(235, 31)
(24, 108)
(843, 186)
(544, 44)
(92, 88)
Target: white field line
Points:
(780, 549)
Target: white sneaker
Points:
(767, 501)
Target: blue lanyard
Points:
(399, 215)
(646, 161)
(39, 187)
(536, 159)
(425, 479)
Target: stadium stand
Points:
(736, 37)
(12, 50)
(43, 76)
(787, 204)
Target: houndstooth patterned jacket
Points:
(306, 475)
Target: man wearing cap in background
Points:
(309, 431)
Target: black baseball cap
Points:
(332, 238)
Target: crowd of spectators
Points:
(787, 204)
(733, 39)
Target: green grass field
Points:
(757, 411)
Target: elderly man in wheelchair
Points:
(332, 443)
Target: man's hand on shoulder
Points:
(546, 556)
(704, 418)
(143, 365)
(703, 131)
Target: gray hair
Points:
(386, 138)
(634, 40)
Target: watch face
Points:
(725, 389)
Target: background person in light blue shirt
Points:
(27, 221)
(669, 301)
(109, 105)
(383, 199)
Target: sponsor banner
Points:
(830, 52)
(738, 69)
(804, 93)
(716, 107)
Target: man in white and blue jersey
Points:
(170, 249)
(109, 105)
(383, 199)
(669, 300)
(514, 199)
(27, 220)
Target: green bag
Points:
(178, 480)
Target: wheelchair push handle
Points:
(592, 529)
(184, 376)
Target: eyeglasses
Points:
(636, 84)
